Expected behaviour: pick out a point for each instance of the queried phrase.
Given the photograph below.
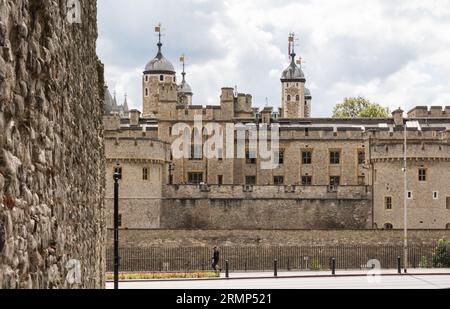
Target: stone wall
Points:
(254, 238)
(51, 145)
(265, 207)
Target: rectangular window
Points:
(361, 157)
(250, 157)
(307, 157)
(306, 181)
(335, 157)
(278, 180)
(435, 195)
(361, 180)
(118, 170)
(448, 202)
(335, 181)
(220, 154)
(422, 174)
(306, 132)
(388, 202)
(220, 180)
(410, 195)
(195, 178)
(250, 180)
(280, 157)
(197, 152)
(145, 173)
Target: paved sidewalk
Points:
(417, 271)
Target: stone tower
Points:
(159, 88)
(295, 98)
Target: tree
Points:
(441, 257)
(359, 108)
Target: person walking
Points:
(215, 258)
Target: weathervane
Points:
(158, 29)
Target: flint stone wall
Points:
(51, 146)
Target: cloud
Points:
(395, 53)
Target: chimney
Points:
(134, 117)
(398, 117)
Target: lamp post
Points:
(117, 177)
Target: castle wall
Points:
(51, 146)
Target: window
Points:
(297, 98)
(278, 180)
(361, 180)
(388, 226)
(388, 203)
(335, 157)
(447, 227)
(197, 152)
(161, 78)
(307, 157)
(146, 92)
(448, 202)
(250, 180)
(220, 180)
(186, 112)
(335, 181)
(289, 98)
(422, 174)
(306, 181)
(250, 157)
(361, 157)
(436, 195)
(145, 173)
(410, 195)
(170, 131)
(174, 79)
(220, 154)
(146, 78)
(281, 157)
(195, 178)
(306, 132)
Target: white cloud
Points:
(393, 52)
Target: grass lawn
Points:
(156, 276)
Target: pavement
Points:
(387, 279)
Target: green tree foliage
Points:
(441, 257)
(359, 108)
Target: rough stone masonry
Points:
(51, 146)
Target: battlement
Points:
(432, 112)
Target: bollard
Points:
(399, 265)
(333, 267)
(275, 268)
(227, 269)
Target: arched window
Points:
(289, 98)
(146, 78)
(297, 98)
(161, 78)
(146, 92)
(388, 226)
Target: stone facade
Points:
(51, 146)
(324, 161)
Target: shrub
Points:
(441, 257)
(315, 265)
(423, 262)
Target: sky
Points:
(395, 53)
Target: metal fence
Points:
(191, 259)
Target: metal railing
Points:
(192, 259)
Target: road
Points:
(385, 282)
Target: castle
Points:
(332, 173)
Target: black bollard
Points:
(275, 268)
(333, 267)
(227, 269)
(399, 265)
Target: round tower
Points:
(159, 83)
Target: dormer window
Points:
(161, 78)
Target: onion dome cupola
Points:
(293, 73)
(160, 64)
(308, 95)
(184, 87)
